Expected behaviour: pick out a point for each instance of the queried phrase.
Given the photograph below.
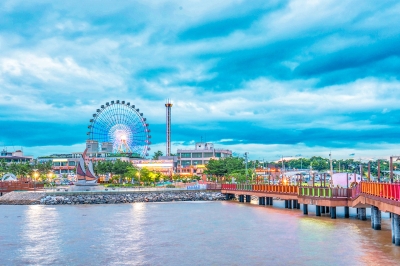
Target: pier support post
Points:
(241, 198)
(333, 212)
(372, 216)
(259, 200)
(317, 210)
(271, 201)
(346, 212)
(286, 204)
(298, 205)
(392, 226)
(396, 229)
(267, 199)
(363, 214)
(248, 198)
(322, 209)
(327, 209)
(377, 219)
(305, 209)
(289, 204)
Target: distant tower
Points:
(168, 105)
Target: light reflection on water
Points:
(187, 233)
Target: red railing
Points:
(262, 188)
(383, 190)
(228, 186)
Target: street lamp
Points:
(245, 156)
(35, 176)
(138, 175)
(331, 168)
(301, 161)
(50, 175)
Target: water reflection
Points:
(182, 233)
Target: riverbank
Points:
(54, 198)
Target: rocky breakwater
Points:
(116, 198)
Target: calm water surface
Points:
(187, 233)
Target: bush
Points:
(170, 186)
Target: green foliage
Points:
(157, 154)
(225, 166)
(170, 186)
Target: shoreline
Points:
(109, 197)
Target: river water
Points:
(187, 233)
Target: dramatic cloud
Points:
(267, 77)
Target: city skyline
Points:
(272, 79)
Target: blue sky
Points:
(270, 78)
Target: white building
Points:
(201, 154)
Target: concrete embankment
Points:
(36, 198)
(21, 198)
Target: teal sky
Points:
(270, 78)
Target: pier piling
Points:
(317, 210)
(346, 212)
(305, 209)
(392, 227)
(396, 229)
(248, 198)
(363, 214)
(333, 212)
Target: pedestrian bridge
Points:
(377, 196)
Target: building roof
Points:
(16, 157)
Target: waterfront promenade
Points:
(377, 196)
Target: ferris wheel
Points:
(120, 128)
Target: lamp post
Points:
(330, 160)
(245, 157)
(138, 175)
(50, 175)
(35, 175)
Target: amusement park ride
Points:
(120, 123)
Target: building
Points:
(65, 164)
(193, 161)
(61, 163)
(15, 157)
(164, 166)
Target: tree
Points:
(224, 166)
(132, 173)
(44, 168)
(176, 177)
(157, 154)
(145, 175)
(120, 168)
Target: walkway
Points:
(377, 196)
